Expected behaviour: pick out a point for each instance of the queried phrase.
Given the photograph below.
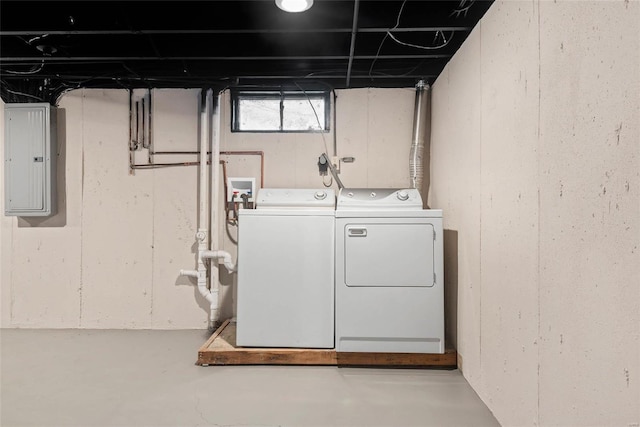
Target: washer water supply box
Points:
(286, 270)
(237, 187)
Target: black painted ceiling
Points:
(47, 48)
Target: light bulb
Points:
(294, 5)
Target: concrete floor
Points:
(148, 378)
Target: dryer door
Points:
(389, 252)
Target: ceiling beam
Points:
(354, 31)
(239, 76)
(233, 31)
(53, 59)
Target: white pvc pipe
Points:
(204, 145)
(223, 255)
(189, 273)
(215, 129)
(202, 236)
(209, 126)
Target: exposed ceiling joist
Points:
(48, 48)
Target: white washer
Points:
(286, 270)
(389, 273)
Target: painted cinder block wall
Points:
(536, 163)
(110, 258)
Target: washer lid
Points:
(379, 198)
(269, 198)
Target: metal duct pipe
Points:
(420, 134)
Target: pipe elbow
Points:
(231, 268)
(223, 255)
(226, 259)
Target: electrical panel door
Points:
(30, 159)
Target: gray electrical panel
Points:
(30, 156)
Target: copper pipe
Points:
(249, 153)
(178, 152)
(225, 153)
(151, 166)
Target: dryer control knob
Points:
(403, 195)
(320, 195)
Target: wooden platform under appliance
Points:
(221, 349)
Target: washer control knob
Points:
(403, 195)
(320, 195)
(350, 194)
(373, 194)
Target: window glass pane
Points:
(258, 114)
(260, 111)
(298, 114)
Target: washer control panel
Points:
(379, 198)
(269, 198)
(320, 195)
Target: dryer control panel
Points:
(379, 198)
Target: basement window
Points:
(280, 111)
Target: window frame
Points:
(280, 94)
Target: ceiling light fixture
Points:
(294, 6)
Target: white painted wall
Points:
(536, 163)
(111, 257)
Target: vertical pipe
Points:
(202, 236)
(204, 138)
(420, 132)
(144, 125)
(215, 131)
(335, 126)
(150, 144)
(131, 152)
(137, 125)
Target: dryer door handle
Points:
(357, 232)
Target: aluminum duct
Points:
(420, 135)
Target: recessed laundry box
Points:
(286, 270)
(389, 273)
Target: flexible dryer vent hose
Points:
(416, 166)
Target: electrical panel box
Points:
(30, 158)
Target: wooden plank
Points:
(221, 349)
(448, 359)
(269, 357)
(215, 335)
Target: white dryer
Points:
(389, 273)
(286, 269)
